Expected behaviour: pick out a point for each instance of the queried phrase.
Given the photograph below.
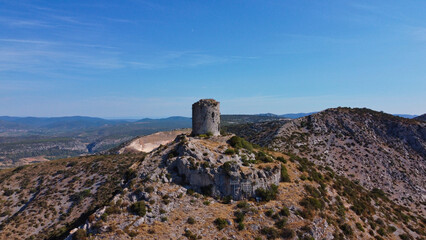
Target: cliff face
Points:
(376, 149)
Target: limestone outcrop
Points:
(202, 165)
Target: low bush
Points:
(220, 223)
(270, 232)
(229, 151)
(267, 194)
(284, 174)
(138, 208)
(346, 229)
(238, 142)
(190, 220)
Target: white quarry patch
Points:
(152, 141)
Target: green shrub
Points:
(220, 223)
(112, 210)
(190, 235)
(281, 159)
(270, 233)
(267, 194)
(312, 203)
(129, 175)
(346, 229)
(284, 174)
(287, 233)
(359, 226)
(190, 220)
(149, 189)
(281, 223)
(227, 199)
(226, 167)
(262, 157)
(404, 236)
(240, 226)
(285, 211)
(243, 204)
(138, 208)
(269, 213)
(238, 142)
(229, 151)
(79, 196)
(381, 231)
(8, 192)
(239, 216)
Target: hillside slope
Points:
(43, 201)
(421, 117)
(376, 149)
(195, 188)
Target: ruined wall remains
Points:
(206, 117)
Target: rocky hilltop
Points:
(377, 150)
(199, 187)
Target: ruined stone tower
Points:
(205, 117)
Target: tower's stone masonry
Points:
(206, 117)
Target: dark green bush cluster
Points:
(284, 174)
(243, 204)
(281, 159)
(190, 220)
(138, 208)
(129, 175)
(190, 235)
(238, 142)
(346, 229)
(267, 194)
(285, 211)
(378, 193)
(229, 151)
(220, 223)
(149, 189)
(270, 232)
(227, 199)
(79, 196)
(310, 204)
(356, 195)
(226, 167)
(173, 153)
(239, 219)
(262, 157)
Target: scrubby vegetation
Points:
(138, 208)
(220, 223)
(267, 194)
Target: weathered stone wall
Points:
(206, 117)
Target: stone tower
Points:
(205, 117)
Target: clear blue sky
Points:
(155, 58)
